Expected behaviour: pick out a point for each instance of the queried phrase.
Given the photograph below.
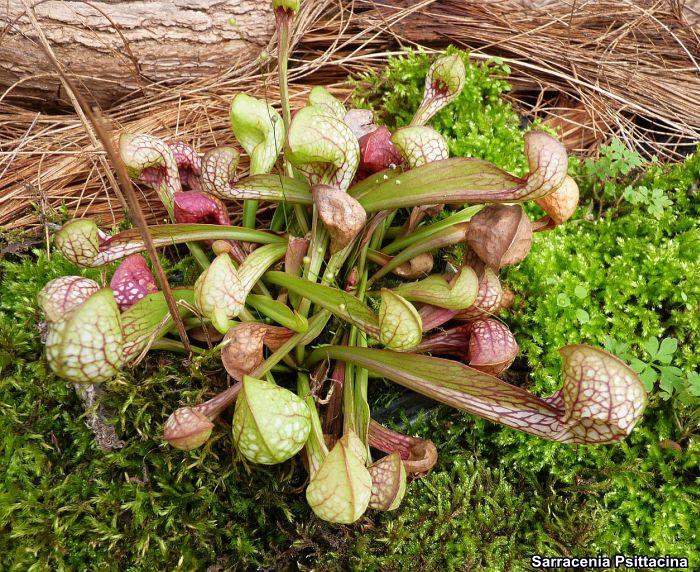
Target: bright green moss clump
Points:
(479, 123)
(628, 278)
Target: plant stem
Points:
(199, 255)
(214, 406)
(361, 409)
(283, 19)
(277, 311)
(315, 447)
(332, 268)
(250, 210)
(168, 345)
(428, 230)
(317, 251)
(349, 417)
(361, 405)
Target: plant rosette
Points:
(330, 282)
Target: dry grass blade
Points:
(594, 70)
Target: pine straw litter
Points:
(594, 70)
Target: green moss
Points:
(479, 123)
(64, 503)
(631, 277)
(465, 516)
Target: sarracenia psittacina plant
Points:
(462, 180)
(377, 152)
(500, 235)
(131, 281)
(388, 482)
(559, 205)
(185, 189)
(218, 168)
(400, 324)
(485, 344)
(341, 214)
(420, 145)
(360, 121)
(242, 346)
(152, 161)
(325, 151)
(459, 293)
(489, 300)
(85, 341)
(353, 178)
(323, 147)
(418, 455)
(84, 244)
(320, 97)
(88, 340)
(170, 168)
(444, 82)
(270, 424)
(488, 297)
(260, 130)
(601, 399)
(189, 427)
(341, 488)
(221, 290)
